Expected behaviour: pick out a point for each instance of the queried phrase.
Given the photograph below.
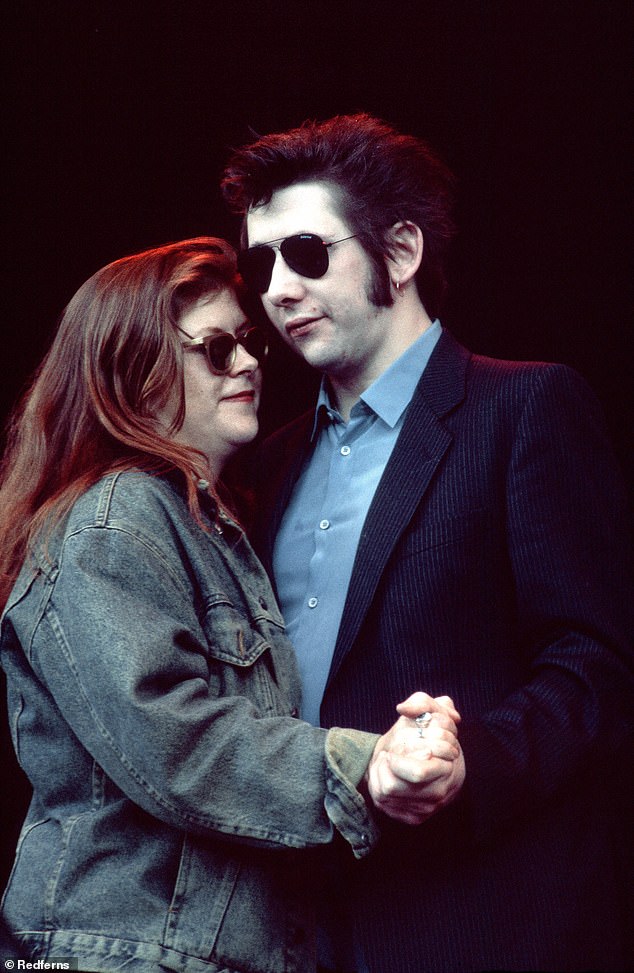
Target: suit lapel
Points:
(421, 445)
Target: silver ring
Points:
(422, 722)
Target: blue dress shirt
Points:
(319, 533)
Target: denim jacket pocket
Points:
(241, 662)
(259, 915)
(230, 635)
(194, 922)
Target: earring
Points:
(397, 284)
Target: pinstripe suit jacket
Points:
(491, 567)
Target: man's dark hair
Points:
(379, 176)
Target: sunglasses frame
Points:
(282, 243)
(203, 341)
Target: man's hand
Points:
(415, 772)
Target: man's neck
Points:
(345, 389)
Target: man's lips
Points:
(299, 327)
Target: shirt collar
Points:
(390, 394)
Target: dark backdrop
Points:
(119, 116)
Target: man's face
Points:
(330, 320)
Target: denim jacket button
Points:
(263, 603)
(295, 712)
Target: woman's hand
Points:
(417, 769)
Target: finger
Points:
(408, 768)
(414, 803)
(412, 807)
(441, 721)
(384, 784)
(438, 725)
(421, 702)
(447, 704)
(431, 744)
(437, 732)
(405, 733)
(418, 702)
(381, 780)
(442, 749)
(402, 800)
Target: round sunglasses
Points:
(220, 347)
(305, 253)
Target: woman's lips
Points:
(247, 395)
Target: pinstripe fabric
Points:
(492, 566)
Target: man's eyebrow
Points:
(280, 239)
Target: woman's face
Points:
(220, 410)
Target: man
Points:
(449, 523)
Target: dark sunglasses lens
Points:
(221, 348)
(220, 352)
(255, 344)
(256, 266)
(306, 254)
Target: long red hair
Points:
(115, 361)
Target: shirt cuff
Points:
(348, 753)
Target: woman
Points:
(153, 695)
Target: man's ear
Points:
(405, 240)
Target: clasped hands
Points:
(413, 773)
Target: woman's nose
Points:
(243, 361)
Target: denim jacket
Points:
(153, 698)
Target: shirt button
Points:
(345, 450)
(312, 602)
(324, 524)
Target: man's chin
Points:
(313, 352)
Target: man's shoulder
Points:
(520, 381)
(510, 374)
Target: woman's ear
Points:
(405, 241)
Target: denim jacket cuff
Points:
(348, 753)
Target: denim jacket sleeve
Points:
(141, 676)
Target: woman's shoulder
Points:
(129, 499)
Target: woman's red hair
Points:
(114, 363)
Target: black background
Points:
(119, 117)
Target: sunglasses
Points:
(305, 253)
(220, 347)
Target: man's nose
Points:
(286, 285)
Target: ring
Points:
(422, 722)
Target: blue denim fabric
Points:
(151, 699)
